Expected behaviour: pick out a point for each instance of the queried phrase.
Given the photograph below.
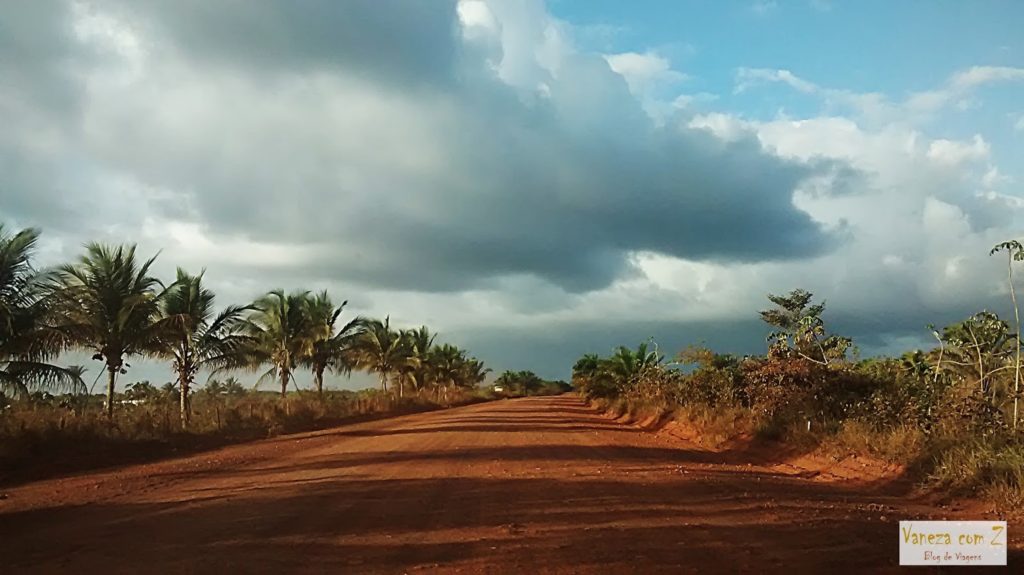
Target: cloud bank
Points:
(467, 165)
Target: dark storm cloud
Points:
(401, 41)
(39, 103)
(550, 351)
(369, 127)
(561, 186)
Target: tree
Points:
(233, 387)
(108, 303)
(27, 342)
(141, 391)
(77, 386)
(381, 350)
(169, 390)
(418, 371)
(801, 331)
(522, 382)
(625, 365)
(1014, 252)
(331, 346)
(585, 371)
(447, 361)
(201, 339)
(472, 373)
(282, 334)
(978, 348)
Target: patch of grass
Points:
(973, 466)
(901, 445)
(717, 425)
(37, 440)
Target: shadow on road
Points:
(548, 504)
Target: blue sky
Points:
(535, 180)
(894, 48)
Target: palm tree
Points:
(282, 333)
(169, 390)
(109, 303)
(472, 373)
(201, 339)
(26, 341)
(447, 361)
(331, 346)
(78, 386)
(233, 387)
(585, 369)
(419, 370)
(381, 350)
(625, 364)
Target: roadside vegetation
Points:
(950, 415)
(109, 304)
(526, 383)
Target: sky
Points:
(533, 180)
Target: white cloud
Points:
(645, 72)
(981, 75)
(954, 153)
(747, 78)
(879, 109)
(688, 101)
(516, 185)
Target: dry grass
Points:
(36, 439)
(902, 445)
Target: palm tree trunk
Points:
(183, 396)
(384, 381)
(284, 383)
(318, 378)
(183, 403)
(111, 380)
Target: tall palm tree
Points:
(201, 339)
(419, 370)
(27, 342)
(283, 334)
(331, 346)
(472, 373)
(108, 303)
(77, 386)
(447, 361)
(625, 364)
(585, 369)
(381, 350)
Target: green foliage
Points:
(109, 304)
(331, 348)
(801, 330)
(524, 383)
(945, 412)
(616, 374)
(27, 340)
(283, 332)
(201, 338)
(382, 350)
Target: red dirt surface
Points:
(537, 485)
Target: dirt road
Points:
(521, 486)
